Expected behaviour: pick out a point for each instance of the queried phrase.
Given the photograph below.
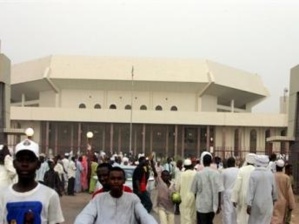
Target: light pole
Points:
(89, 136)
(29, 133)
(131, 114)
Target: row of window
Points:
(127, 107)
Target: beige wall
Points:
(5, 77)
(284, 104)
(72, 99)
(228, 138)
(149, 117)
(208, 103)
(294, 88)
(47, 99)
(183, 101)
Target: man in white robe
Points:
(239, 192)
(115, 206)
(229, 176)
(261, 193)
(183, 186)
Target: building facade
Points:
(4, 97)
(175, 107)
(293, 123)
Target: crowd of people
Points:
(258, 191)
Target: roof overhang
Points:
(13, 131)
(280, 139)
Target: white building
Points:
(180, 106)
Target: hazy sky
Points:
(259, 36)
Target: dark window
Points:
(128, 107)
(143, 107)
(158, 107)
(82, 106)
(97, 106)
(112, 106)
(173, 108)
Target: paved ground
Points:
(72, 205)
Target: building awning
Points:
(14, 131)
(280, 139)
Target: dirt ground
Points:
(72, 205)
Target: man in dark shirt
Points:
(51, 178)
(140, 178)
(103, 170)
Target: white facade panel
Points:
(73, 98)
(208, 103)
(47, 99)
(183, 101)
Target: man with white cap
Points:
(28, 201)
(240, 188)
(261, 193)
(183, 186)
(286, 201)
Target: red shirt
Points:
(125, 189)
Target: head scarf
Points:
(249, 159)
(261, 160)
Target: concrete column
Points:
(111, 138)
(175, 140)
(72, 138)
(151, 139)
(167, 141)
(143, 138)
(223, 142)
(104, 139)
(119, 139)
(23, 100)
(3, 138)
(183, 142)
(208, 139)
(56, 139)
(47, 137)
(79, 137)
(198, 142)
(135, 142)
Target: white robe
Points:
(187, 206)
(239, 193)
(104, 209)
(261, 195)
(7, 172)
(229, 212)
